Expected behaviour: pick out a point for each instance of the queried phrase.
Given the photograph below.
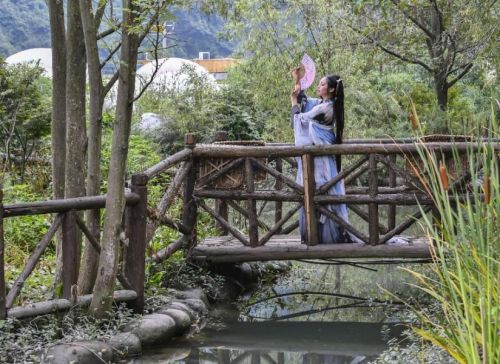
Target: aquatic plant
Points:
(466, 266)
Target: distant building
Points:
(41, 55)
(217, 67)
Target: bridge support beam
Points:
(309, 208)
(373, 207)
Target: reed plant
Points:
(464, 276)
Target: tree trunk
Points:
(76, 139)
(58, 40)
(115, 203)
(90, 259)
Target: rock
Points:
(182, 319)
(196, 293)
(197, 305)
(80, 352)
(124, 345)
(178, 305)
(153, 329)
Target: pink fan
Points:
(307, 72)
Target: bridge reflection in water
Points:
(282, 342)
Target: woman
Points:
(314, 122)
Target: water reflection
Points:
(281, 342)
(315, 314)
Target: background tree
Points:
(443, 37)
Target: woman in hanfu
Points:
(321, 122)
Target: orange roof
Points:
(218, 65)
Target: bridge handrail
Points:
(236, 151)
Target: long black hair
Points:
(336, 87)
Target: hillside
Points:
(25, 24)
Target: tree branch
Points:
(110, 55)
(109, 31)
(462, 74)
(413, 19)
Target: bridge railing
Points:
(365, 167)
(67, 219)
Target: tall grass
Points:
(464, 277)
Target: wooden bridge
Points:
(251, 193)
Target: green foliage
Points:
(467, 262)
(28, 341)
(195, 106)
(24, 112)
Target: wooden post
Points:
(70, 254)
(255, 359)
(373, 206)
(253, 230)
(309, 209)
(135, 252)
(189, 209)
(221, 205)
(3, 310)
(391, 215)
(278, 186)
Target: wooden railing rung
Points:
(32, 261)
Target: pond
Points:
(320, 312)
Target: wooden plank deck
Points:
(225, 249)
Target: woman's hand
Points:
(295, 94)
(296, 74)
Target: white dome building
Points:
(173, 74)
(41, 55)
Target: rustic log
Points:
(70, 253)
(274, 230)
(278, 186)
(3, 309)
(167, 199)
(391, 213)
(372, 206)
(279, 176)
(221, 207)
(32, 261)
(167, 221)
(290, 228)
(58, 305)
(309, 208)
(232, 151)
(343, 174)
(134, 254)
(333, 215)
(412, 181)
(168, 162)
(189, 209)
(53, 206)
(358, 211)
(380, 190)
(218, 173)
(238, 235)
(295, 250)
(281, 357)
(405, 225)
(242, 195)
(351, 178)
(91, 238)
(173, 189)
(389, 199)
(253, 230)
(244, 212)
(169, 250)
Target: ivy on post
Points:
(3, 310)
(189, 209)
(135, 251)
